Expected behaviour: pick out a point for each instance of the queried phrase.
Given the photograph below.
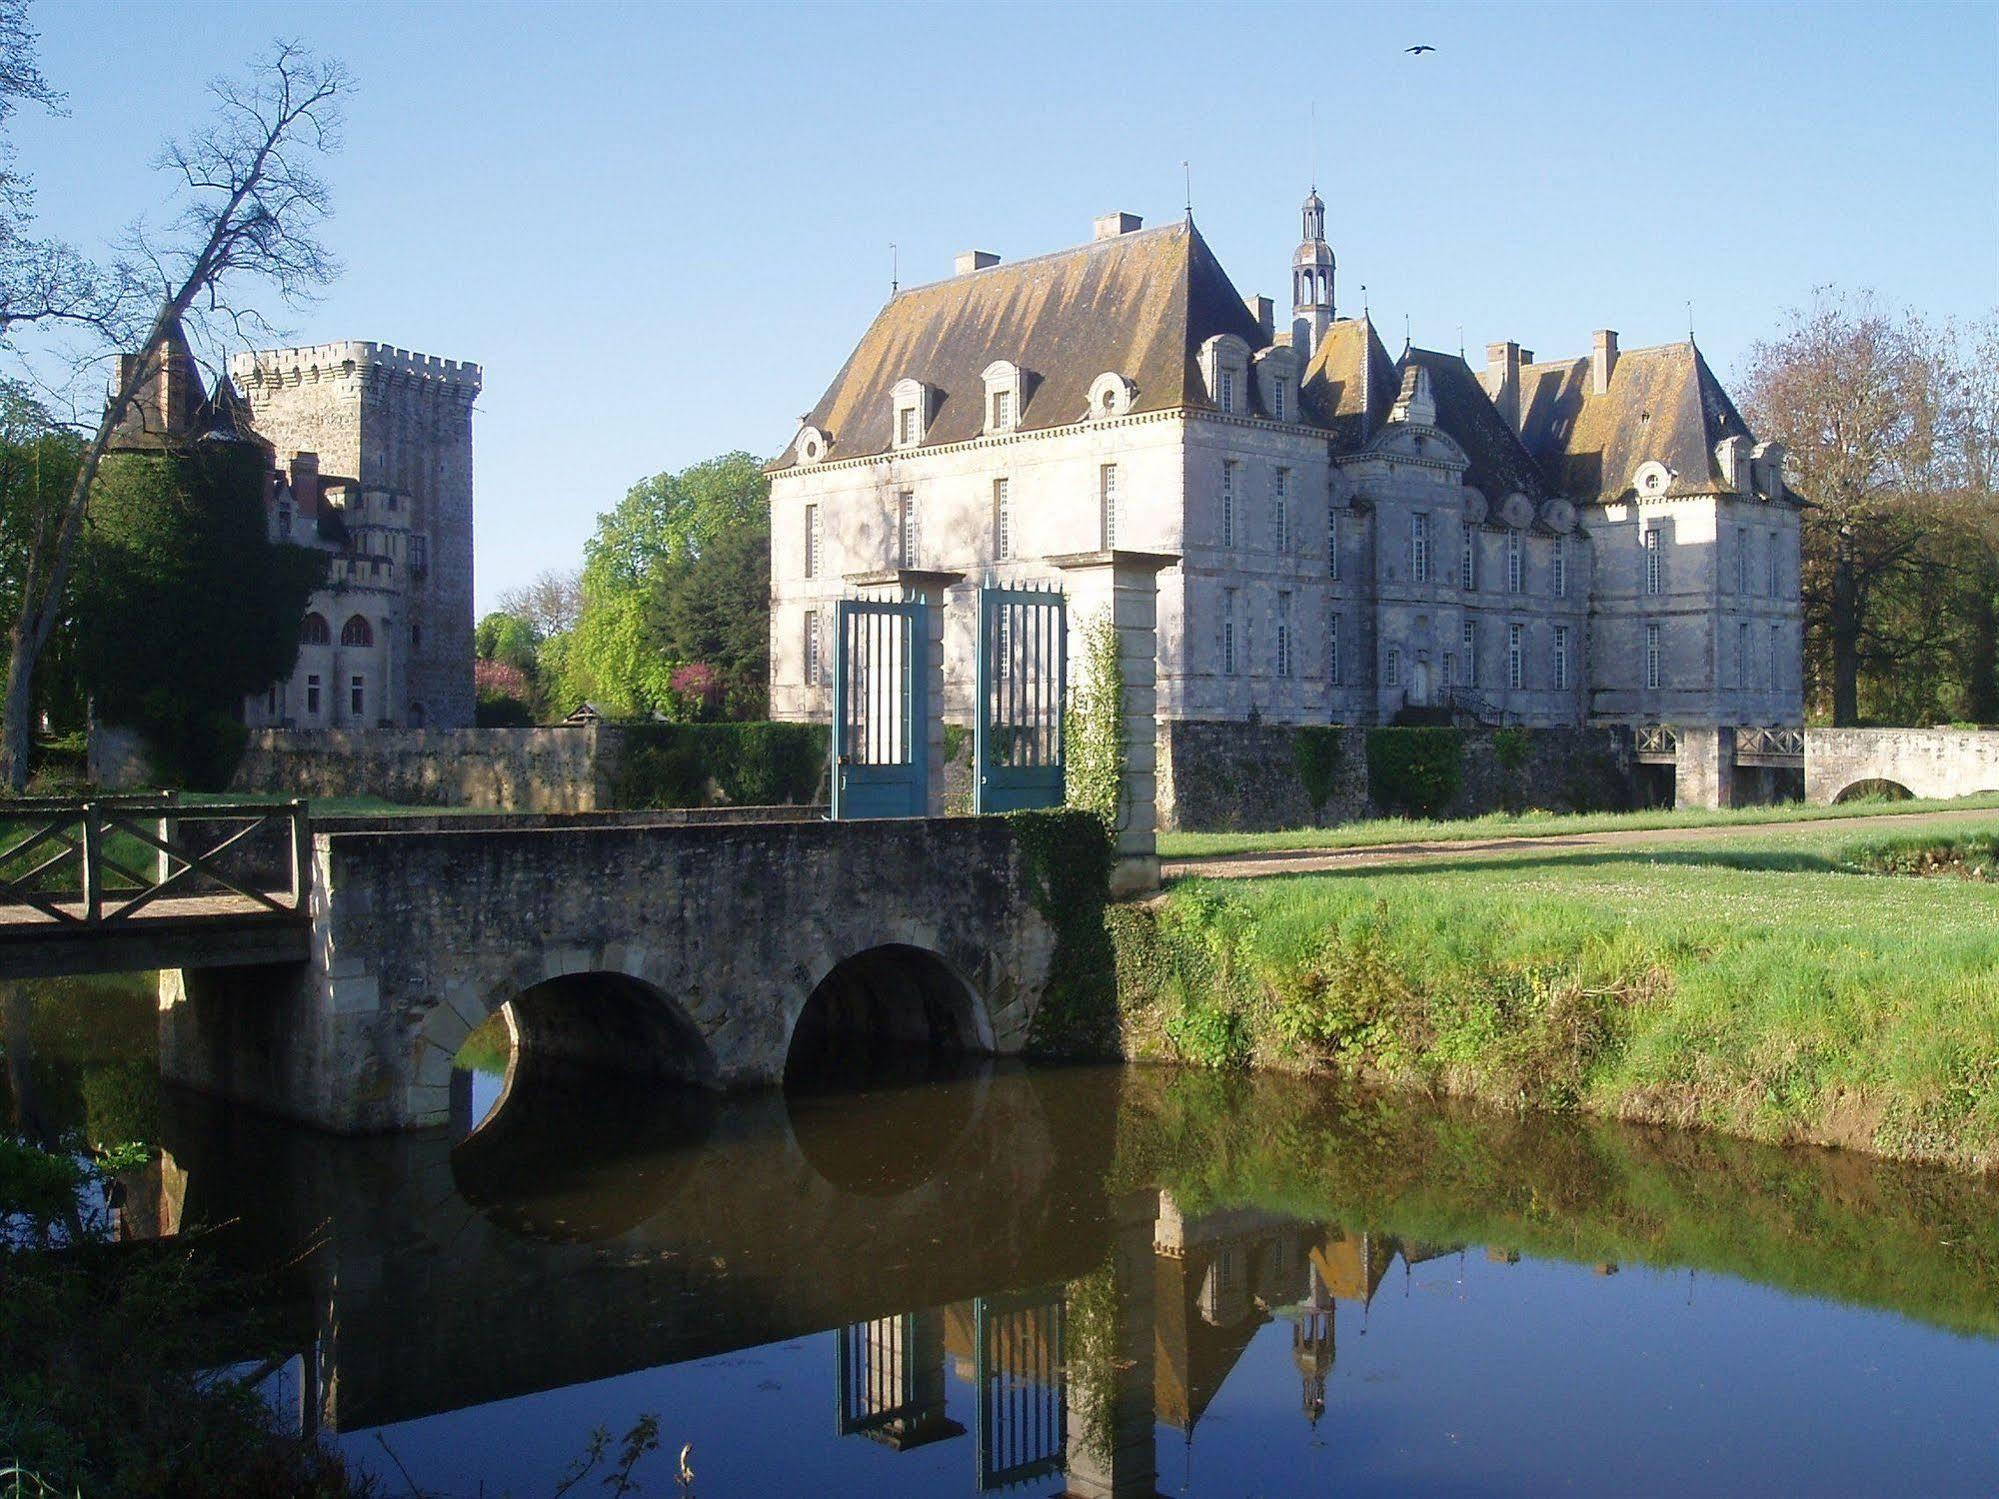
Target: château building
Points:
(1362, 536)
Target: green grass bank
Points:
(1769, 986)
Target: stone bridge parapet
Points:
(719, 934)
(1924, 762)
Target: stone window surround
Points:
(1224, 352)
(1003, 378)
(1274, 367)
(911, 405)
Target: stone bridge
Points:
(707, 954)
(1843, 763)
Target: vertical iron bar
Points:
(93, 866)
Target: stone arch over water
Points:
(888, 1010)
(1875, 788)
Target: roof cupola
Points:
(1311, 280)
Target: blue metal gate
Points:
(881, 709)
(1023, 662)
(1021, 1386)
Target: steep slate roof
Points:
(1140, 304)
(1350, 384)
(168, 399)
(1663, 403)
(1500, 464)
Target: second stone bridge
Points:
(712, 954)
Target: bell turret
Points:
(1312, 281)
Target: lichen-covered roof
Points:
(1350, 384)
(1500, 464)
(1139, 304)
(1663, 403)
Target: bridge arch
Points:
(1874, 788)
(890, 1008)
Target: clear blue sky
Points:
(662, 229)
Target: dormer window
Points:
(1111, 395)
(1004, 381)
(1225, 370)
(911, 401)
(810, 445)
(1277, 382)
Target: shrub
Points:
(1415, 771)
(1509, 747)
(751, 764)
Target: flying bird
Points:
(1417, 50)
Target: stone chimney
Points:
(1111, 225)
(975, 260)
(305, 483)
(1502, 379)
(1602, 359)
(1264, 311)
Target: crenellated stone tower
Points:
(380, 439)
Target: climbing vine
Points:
(1315, 750)
(1065, 860)
(1093, 730)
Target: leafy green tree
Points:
(508, 639)
(184, 605)
(38, 462)
(676, 574)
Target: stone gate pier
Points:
(701, 946)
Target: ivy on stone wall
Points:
(1093, 733)
(1065, 858)
(1415, 771)
(1315, 750)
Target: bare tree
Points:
(1845, 388)
(252, 205)
(552, 603)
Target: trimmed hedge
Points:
(1415, 771)
(749, 764)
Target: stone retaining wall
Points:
(561, 769)
(1216, 777)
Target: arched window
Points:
(356, 632)
(313, 631)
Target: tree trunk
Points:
(1844, 630)
(1981, 665)
(17, 718)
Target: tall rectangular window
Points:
(1558, 568)
(1655, 562)
(419, 552)
(357, 697)
(285, 519)
(1516, 664)
(1742, 654)
(1776, 568)
(1742, 559)
(1277, 401)
(1284, 635)
(1516, 565)
(1002, 410)
(811, 541)
(1280, 508)
(1469, 640)
(1228, 632)
(1228, 504)
(1652, 662)
(1419, 547)
(905, 426)
(1468, 564)
(1561, 658)
(312, 696)
(1002, 519)
(1228, 390)
(1776, 659)
(906, 528)
(1392, 669)
(1333, 542)
(812, 656)
(1107, 503)
(1333, 650)
(1450, 668)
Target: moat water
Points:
(1091, 1280)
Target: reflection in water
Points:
(1112, 1282)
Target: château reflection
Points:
(996, 1276)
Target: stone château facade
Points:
(1361, 537)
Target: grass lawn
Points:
(1754, 986)
(1535, 824)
